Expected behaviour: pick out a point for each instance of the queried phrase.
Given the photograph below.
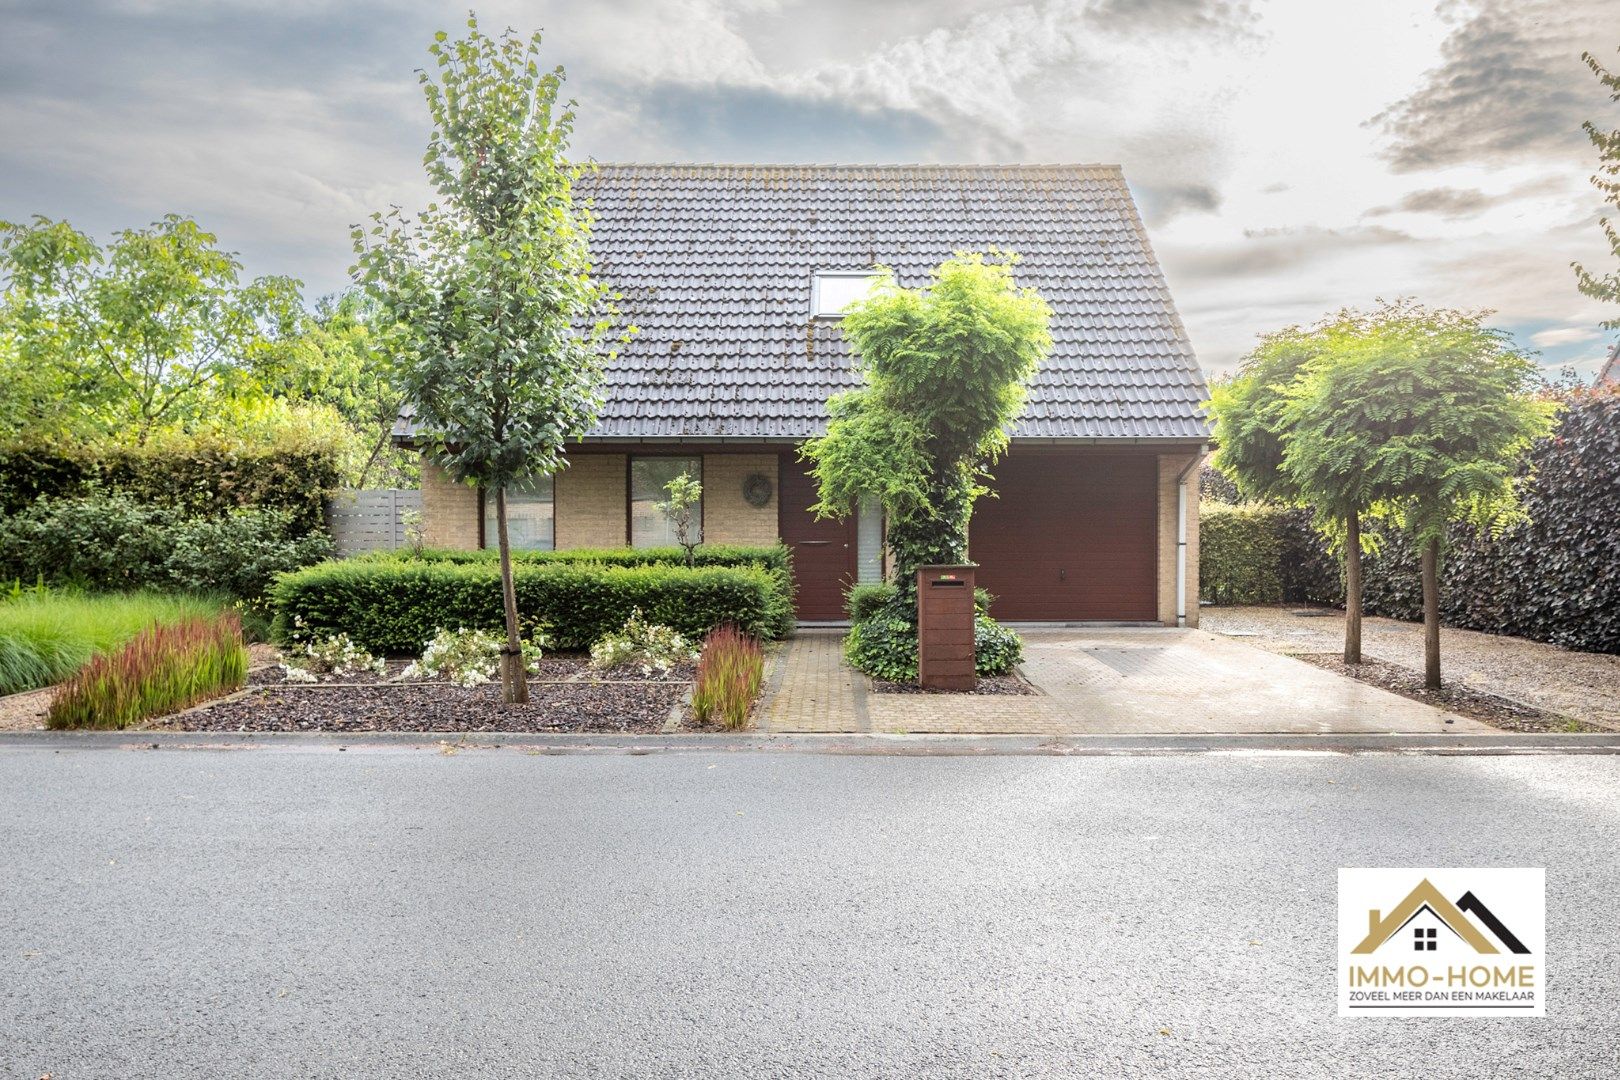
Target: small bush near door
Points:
(160, 670)
(731, 669)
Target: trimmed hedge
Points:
(776, 560)
(395, 606)
(1240, 553)
(198, 476)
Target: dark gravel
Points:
(588, 706)
(1487, 708)
(571, 666)
(1008, 685)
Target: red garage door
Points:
(1073, 536)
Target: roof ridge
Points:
(1017, 166)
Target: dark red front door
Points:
(823, 551)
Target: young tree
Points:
(144, 333)
(1426, 413)
(945, 369)
(492, 314)
(681, 508)
(1604, 286)
(1250, 414)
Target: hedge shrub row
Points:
(116, 542)
(395, 606)
(1252, 553)
(198, 476)
(776, 560)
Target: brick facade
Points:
(449, 510)
(592, 501)
(1169, 466)
(727, 516)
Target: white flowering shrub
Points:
(652, 647)
(336, 655)
(471, 658)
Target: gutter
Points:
(1181, 533)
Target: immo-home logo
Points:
(1442, 942)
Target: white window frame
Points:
(815, 289)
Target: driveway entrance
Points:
(1107, 681)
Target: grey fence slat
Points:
(372, 519)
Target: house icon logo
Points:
(1440, 950)
(1425, 905)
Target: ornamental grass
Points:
(731, 669)
(160, 670)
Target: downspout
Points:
(1181, 534)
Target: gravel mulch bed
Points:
(564, 666)
(1009, 685)
(1487, 708)
(603, 706)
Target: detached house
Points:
(736, 276)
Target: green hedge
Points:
(396, 605)
(1240, 553)
(776, 560)
(200, 477)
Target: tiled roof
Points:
(714, 264)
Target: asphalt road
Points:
(392, 913)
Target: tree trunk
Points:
(1431, 613)
(514, 680)
(1352, 589)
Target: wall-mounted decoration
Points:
(757, 490)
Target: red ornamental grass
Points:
(731, 670)
(160, 670)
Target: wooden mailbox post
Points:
(945, 627)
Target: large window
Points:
(649, 527)
(530, 521)
(831, 291)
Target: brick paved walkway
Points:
(1097, 681)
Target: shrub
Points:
(864, 601)
(393, 606)
(885, 647)
(471, 657)
(108, 541)
(204, 475)
(1240, 553)
(776, 559)
(160, 670)
(731, 669)
(336, 655)
(643, 644)
(45, 636)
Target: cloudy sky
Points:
(1291, 156)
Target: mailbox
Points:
(945, 627)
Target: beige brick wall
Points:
(727, 517)
(591, 504)
(449, 510)
(1169, 466)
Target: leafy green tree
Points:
(681, 508)
(493, 318)
(148, 331)
(1251, 428)
(1604, 286)
(1426, 413)
(945, 369)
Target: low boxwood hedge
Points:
(396, 605)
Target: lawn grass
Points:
(47, 636)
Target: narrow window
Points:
(649, 527)
(831, 291)
(869, 542)
(531, 524)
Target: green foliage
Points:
(864, 601)
(160, 670)
(336, 655)
(471, 658)
(1248, 413)
(731, 670)
(776, 560)
(681, 508)
(153, 330)
(206, 474)
(46, 635)
(639, 643)
(117, 542)
(393, 606)
(884, 646)
(1604, 286)
(1240, 553)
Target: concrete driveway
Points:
(1104, 681)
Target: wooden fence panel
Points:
(372, 519)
